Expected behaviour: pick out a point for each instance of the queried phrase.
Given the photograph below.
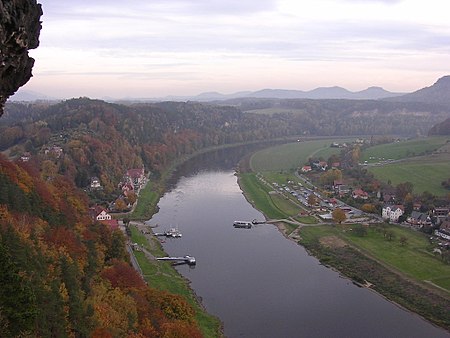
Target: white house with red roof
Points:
(306, 169)
(98, 213)
(392, 212)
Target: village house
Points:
(419, 219)
(306, 169)
(136, 177)
(392, 212)
(323, 165)
(26, 156)
(98, 213)
(444, 230)
(441, 213)
(95, 183)
(360, 194)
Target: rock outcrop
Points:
(20, 26)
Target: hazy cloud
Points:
(216, 41)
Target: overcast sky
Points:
(153, 48)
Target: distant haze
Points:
(147, 49)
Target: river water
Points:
(257, 282)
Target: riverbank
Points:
(337, 252)
(162, 275)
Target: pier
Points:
(246, 224)
(186, 259)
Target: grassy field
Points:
(403, 149)
(424, 175)
(147, 202)
(258, 194)
(376, 260)
(162, 276)
(292, 155)
(414, 258)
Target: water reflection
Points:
(259, 283)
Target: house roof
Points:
(112, 223)
(394, 207)
(96, 210)
(419, 216)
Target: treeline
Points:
(102, 139)
(351, 117)
(63, 275)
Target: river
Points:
(257, 282)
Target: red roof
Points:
(112, 223)
(95, 211)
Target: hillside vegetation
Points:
(63, 275)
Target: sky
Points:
(154, 48)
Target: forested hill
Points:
(63, 275)
(103, 139)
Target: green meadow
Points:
(425, 176)
(292, 155)
(403, 149)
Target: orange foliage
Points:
(123, 276)
(180, 329)
(101, 333)
(16, 174)
(65, 238)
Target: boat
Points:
(173, 232)
(242, 224)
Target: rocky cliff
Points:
(20, 26)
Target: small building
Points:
(136, 177)
(360, 194)
(306, 169)
(392, 212)
(95, 183)
(98, 213)
(442, 213)
(323, 165)
(26, 156)
(419, 219)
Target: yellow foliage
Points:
(114, 310)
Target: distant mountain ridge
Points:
(335, 92)
(438, 93)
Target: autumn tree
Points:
(131, 197)
(312, 200)
(120, 204)
(370, 208)
(328, 177)
(402, 190)
(338, 215)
